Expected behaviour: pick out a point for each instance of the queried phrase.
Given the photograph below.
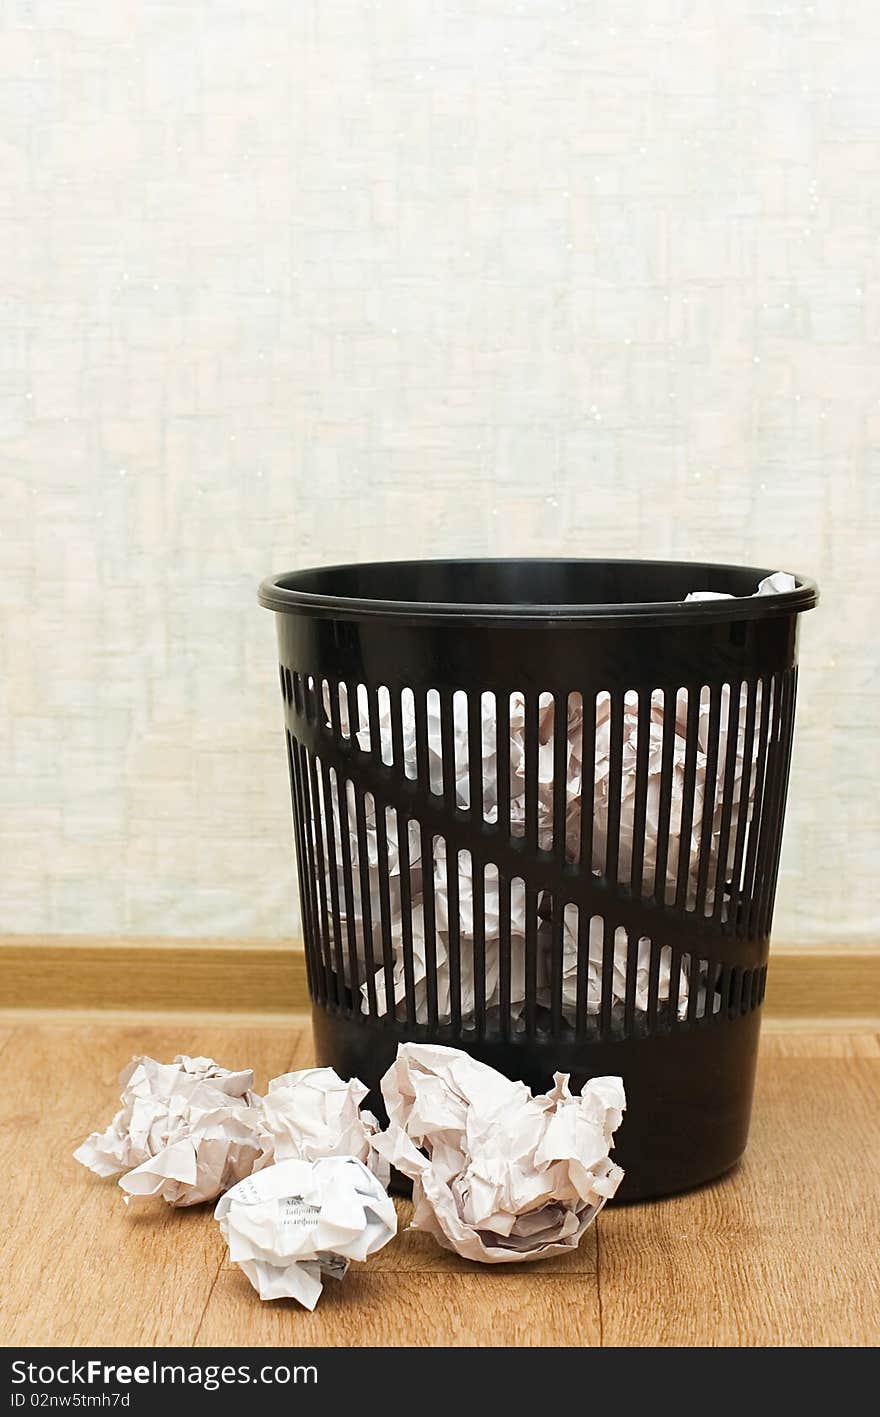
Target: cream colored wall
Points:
(289, 282)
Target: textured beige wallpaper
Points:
(288, 282)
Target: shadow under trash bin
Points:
(538, 808)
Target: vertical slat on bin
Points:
(735, 993)
(722, 984)
(397, 736)
(722, 992)
(453, 907)
(557, 925)
(768, 757)
(366, 914)
(640, 807)
(728, 788)
(502, 759)
(502, 764)
(312, 929)
(302, 862)
(696, 973)
(607, 977)
(310, 832)
(653, 987)
(301, 762)
(632, 961)
(478, 880)
(354, 715)
(366, 898)
(475, 754)
(745, 917)
(382, 863)
(385, 911)
(743, 805)
(333, 695)
(788, 734)
(504, 954)
(531, 771)
(583, 959)
(420, 713)
(710, 792)
(478, 894)
(615, 773)
(447, 750)
(560, 774)
(560, 783)
(531, 958)
(308, 689)
(687, 798)
(771, 826)
(403, 855)
(317, 818)
(332, 871)
(588, 779)
(665, 803)
(427, 846)
(428, 907)
(712, 975)
(531, 844)
(674, 985)
(348, 889)
(409, 985)
(316, 701)
(375, 734)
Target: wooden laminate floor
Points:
(783, 1251)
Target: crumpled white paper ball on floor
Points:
(313, 1113)
(499, 1175)
(293, 1224)
(163, 1104)
(189, 1130)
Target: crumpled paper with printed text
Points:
(293, 1224)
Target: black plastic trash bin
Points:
(538, 807)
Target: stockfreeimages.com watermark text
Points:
(94, 1372)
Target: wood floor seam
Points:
(7, 1037)
(195, 1337)
(599, 1280)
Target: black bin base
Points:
(689, 1094)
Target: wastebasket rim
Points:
(280, 593)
